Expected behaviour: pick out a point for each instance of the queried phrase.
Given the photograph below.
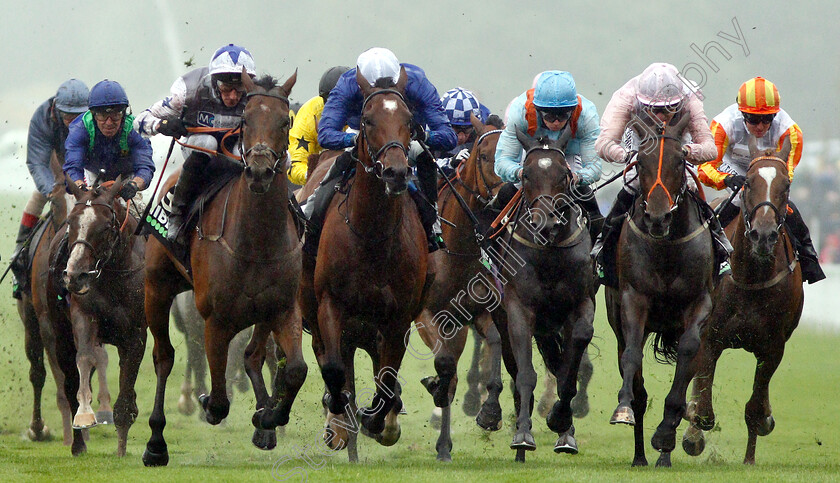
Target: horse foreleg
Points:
(472, 398)
(217, 338)
(699, 410)
(520, 330)
(634, 312)
(757, 413)
(105, 413)
(84, 335)
(490, 414)
(125, 409)
(34, 347)
(580, 403)
(391, 349)
(327, 348)
(288, 339)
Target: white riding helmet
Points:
(230, 59)
(661, 85)
(378, 62)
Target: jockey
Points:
(458, 104)
(303, 136)
(756, 112)
(103, 139)
(212, 97)
(544, 112)
(658, 94)
(380, 67)
(47, 132)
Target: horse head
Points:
(385, 132)
(546, 184)
(764, 197)
(93, 233)
(662, 177)
(265, 129)
(483, 158)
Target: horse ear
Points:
(784, 153)
(564, 137)
(476, 123)
(753, 145)
(525, 140)
(682, 123)
(364, 85)
(73, 189)
(402, 81)
(247, 82)
(290, 82)
(115, 188)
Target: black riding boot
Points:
(503, 197)
(808, 258)
(605, 246)
(586, 199)
(722, 247)
(323, 195)
(188, 187)
(19, 261)
(427, 179)
(729, 213)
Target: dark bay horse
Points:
(665, 267)
(758, 307)
(245, 271)
(39, 335)
(367, 283)
(457, 271)
(104, 278)
(552, 297)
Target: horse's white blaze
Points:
(389, 105)
(265, 108)
(544, 163)
(85, 221)
(769, 174)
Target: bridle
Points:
(261, 148)
(103, 258)
(488, 188)
(673, 201)
(780, 214)
(376, 168)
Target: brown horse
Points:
(457, 269)
(39, 336)
(758, 307)
(367, 283)
(104, 278)
(552, 298)
(246, 274)
(665, 266)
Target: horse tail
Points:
(665, 346)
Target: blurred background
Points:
(492, 48)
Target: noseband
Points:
(478, 165)
(261, 148)
(779, 214)
(376, 168)
(105, 257)
(673, 201)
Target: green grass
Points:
(804, 446)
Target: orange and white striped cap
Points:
(758, 96)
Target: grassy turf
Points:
(805, 445)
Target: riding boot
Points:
(320, 201)
(727, 214)
(503, 197)
(604, 250)
(722, 247)
(427, 179)
(19, 261)
(586, 199)
(188, 187)
(808, 258)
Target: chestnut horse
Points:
(104, 278)
(758, 307)
(367, 283)
(552, 298)
(665, 267)
(245, 258)
(39, 336)
(457, 267)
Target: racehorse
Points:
(39, 336)
(247, 273)
(367, 283)
(457, 266)
(552, 298)
(104, 278)
(665, 267)
(759, 306)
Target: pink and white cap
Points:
(661, 85)
(378, 62)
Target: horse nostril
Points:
(666, 220)
(753, 236)
(248, 171)
(773, 238)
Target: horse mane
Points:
(495, 121)
(267, 82)
(385, 83)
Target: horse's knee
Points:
(445, 365)
(333, 374)
(295, 373)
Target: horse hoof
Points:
(580, 405)
(204, 400)
(38, 436)
(265, 439)
(566, 443)
(435, 418)
(369, 421)
(558, 420)
(472, 403)
(664, 460)
(623, 415)
(490, 416)
(333, 440)
(523, 440)
(693, 441)
(664, 440)
(186, 406)
(639, 462)
(766, 427)
(389, 436)
(545, 405)
(78, 448)
(150, 458)
(104, 417)
(84, 420)
(431, 384)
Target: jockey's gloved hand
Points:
(630, 156)
(734, 181)
(172, 127)
(129, 190)
(418, 132)
(80, 184)
(459, 158)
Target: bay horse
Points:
(665, 266)
(367, 283)
(38, 330)
(245, 258)
(456, 269)
(758, 306)
(552, 297)
(104, 279)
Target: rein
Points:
(672, 201)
